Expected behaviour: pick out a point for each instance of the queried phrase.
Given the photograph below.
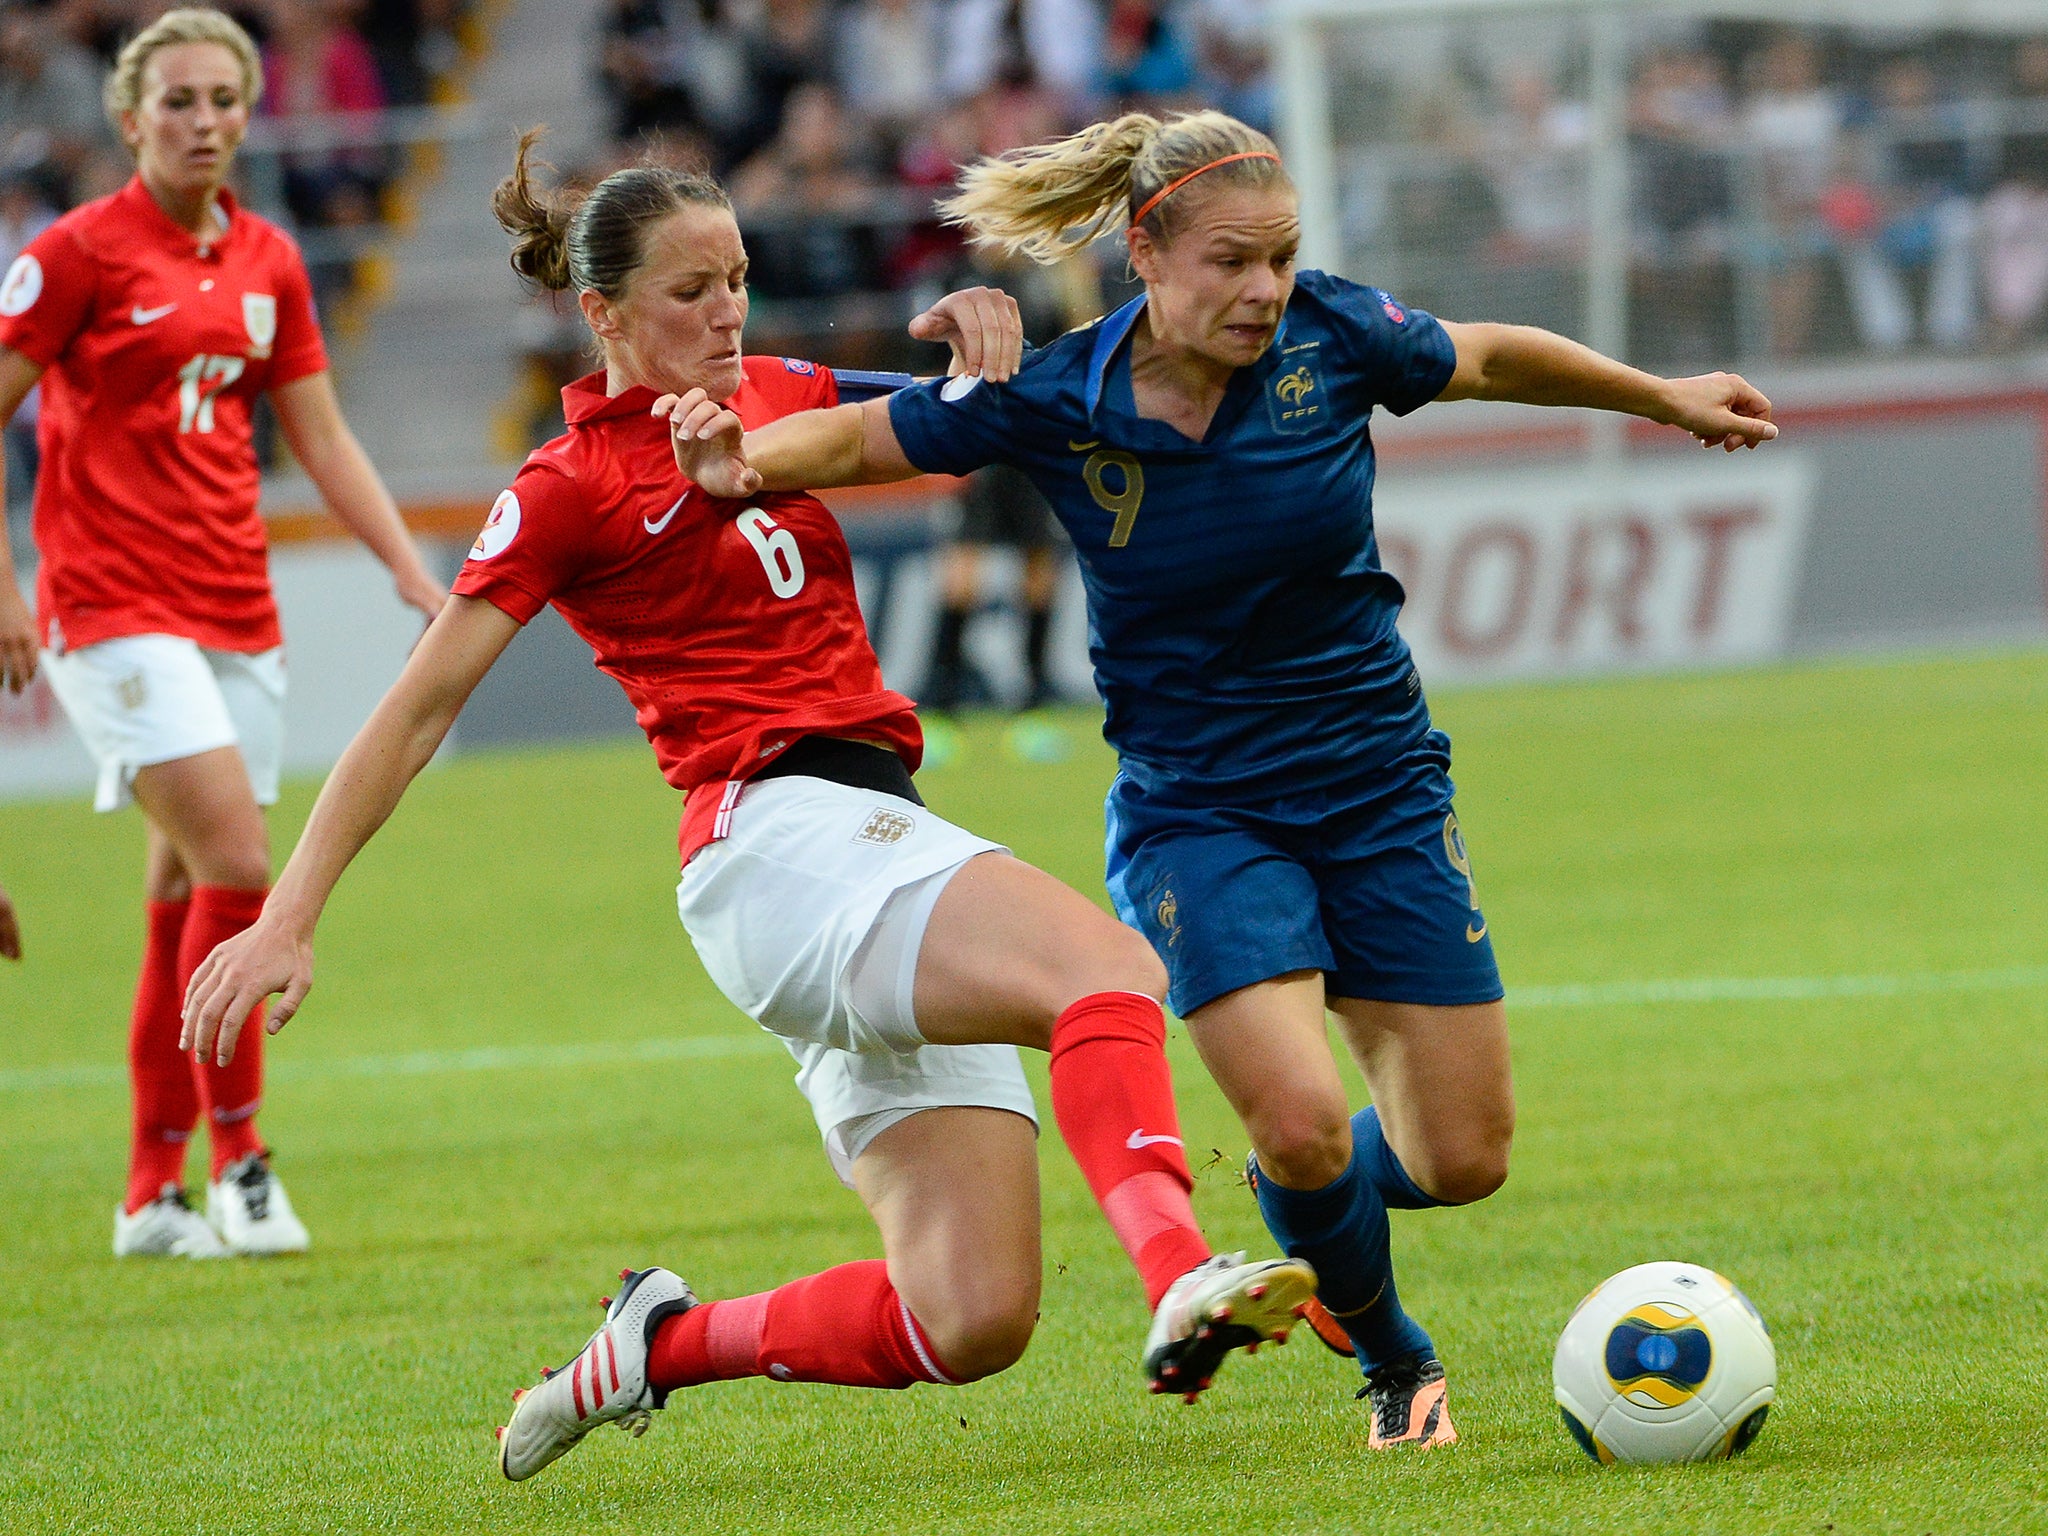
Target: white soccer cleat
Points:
(605, 1384)
(167, 1226)
(1220, 1305)
(248, 1207)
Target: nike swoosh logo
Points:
(1140, 1139)
(655, 525)
(1474, 935)
(143, 316)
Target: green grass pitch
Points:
(512, 1078)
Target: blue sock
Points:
(1342, 1230)
(1384, 1169)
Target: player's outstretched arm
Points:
(18, 640)
(333, 459)
(847, 444)
(1535, 367)
(984, 328)
(403, 732)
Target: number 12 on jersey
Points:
(199, 381)
(776, 546)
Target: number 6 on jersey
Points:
(776, 546)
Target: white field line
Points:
(432, 1063)
(1613, 994)
(1776, 989)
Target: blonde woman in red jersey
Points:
(154, 318)
(901, 959)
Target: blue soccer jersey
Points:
(1240, 623)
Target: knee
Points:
(239, 861)
(980, 1335)
(1110, 958)
(1472, 1170)
(1303, 1146)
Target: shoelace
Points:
(254, 1184)
(1392, 1390)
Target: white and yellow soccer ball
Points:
(1665, 1362)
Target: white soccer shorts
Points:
(809, 915)
(145, 699)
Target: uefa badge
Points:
(499, 528)
(259, 316)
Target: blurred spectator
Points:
(1538, 163)
(1792, 122)
(808, 204)
(888, 63)
(1911, 223)
(1443, 206)
(2016, 212)
(316, 65)
(1146, 58)
(414, 42)
(1054, 44)
(50, 113)
(1680, 126)
(24, 214)
(1230, 42)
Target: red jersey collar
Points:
(135, 197)
(585, 400)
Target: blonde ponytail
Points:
(1046, 201)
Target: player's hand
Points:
(1722, 410)
(18, 643)
(982, 326)
(10, 929)
(418, 590)
(706, 439)
(259, 962)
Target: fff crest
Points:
(1294, 399)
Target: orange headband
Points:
(1174, 186)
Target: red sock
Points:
(846, 1327)
(230, 1094)
(166, 1102)
(1112, 1094)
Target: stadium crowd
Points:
(1886, 190)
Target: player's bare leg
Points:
(1011, 955)
(1268, 1047)
(1445, 1091)
(954, 1191)
(202, 809)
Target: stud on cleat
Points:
(1220, 1305)
(604, 1303)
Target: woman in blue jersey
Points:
(1281, 826)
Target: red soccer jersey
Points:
(732, 626)
(155, 346)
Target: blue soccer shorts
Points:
(1369, 883)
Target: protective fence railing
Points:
(1677, 184)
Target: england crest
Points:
(259, 316)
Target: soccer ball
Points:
(1665, 1362)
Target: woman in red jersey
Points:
(154, 318)
(900, 958)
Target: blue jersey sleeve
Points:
(952, 426)
(1400, 358)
